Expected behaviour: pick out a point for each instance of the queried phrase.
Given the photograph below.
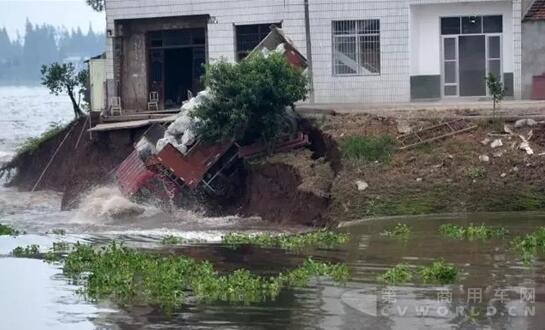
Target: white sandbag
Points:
(164, 141)
(179, 126)
(188, 138)
(181, 148)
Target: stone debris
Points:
(403, 126)
(484, 158)
(503, 175)
(498, 154)
(525, 145)
(362, 185)
(525, 123)
(419, 180)
(496, 144)
(485, 142)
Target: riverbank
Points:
(327, 184)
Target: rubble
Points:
(362, 185)
(484, 158)
(496, 144)
(525, 123)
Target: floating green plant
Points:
(400, 230)
(398, 274)
(129, 276)
(171, 240)
(439, 272)
(8, 231)
(318, 239)
(472, 232)
(60, 232)
(30, 251)
(529, 245)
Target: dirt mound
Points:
(272, 192)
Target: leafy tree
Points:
(496, 89)
(249, 99)
(97, 5)
(63, 78)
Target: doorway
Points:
(176, 59)
(471, 50)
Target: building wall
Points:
(533, 54)
(392, 85)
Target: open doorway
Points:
(176, 59)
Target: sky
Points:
(68, 13)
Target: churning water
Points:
(495, 290)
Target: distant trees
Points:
(63, 78)
(22, 58)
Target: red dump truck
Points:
(166, 172)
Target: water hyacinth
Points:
(472, 232)
(129, 276)
(399, 231)
(318, 239)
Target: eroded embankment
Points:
(76, 167)
(285, 189)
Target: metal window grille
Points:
(356, 47)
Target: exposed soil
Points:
(74, 169)
(443, 176)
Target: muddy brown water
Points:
(495, 289)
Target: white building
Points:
(363, 51)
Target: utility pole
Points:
(309, 52)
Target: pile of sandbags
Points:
(181, 133)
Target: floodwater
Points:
(495, 289)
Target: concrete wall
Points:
(533, 54)
(392, 85)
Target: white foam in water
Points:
(108, 202)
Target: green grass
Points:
(133, 277)
(368, 148)
(8, 231)
(400, 230)
(475, 173)
(318, 239)
(30, 251)
(398, 274)
(472, 232)
(530, 245)
(171, 240)
(439, 272)
(32, 144)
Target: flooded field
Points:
(494, 289)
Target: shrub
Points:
(171, 240)
(249, 99)
(529, 245)
(368, 148)
(31, 251)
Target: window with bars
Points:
(249, 36)
(356, 47)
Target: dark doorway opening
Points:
(178, 75)
(176, 59)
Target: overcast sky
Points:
(68, 13)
